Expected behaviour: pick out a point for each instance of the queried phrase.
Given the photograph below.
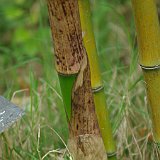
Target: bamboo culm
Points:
(96, 80)
(148, 34)
(73, 68)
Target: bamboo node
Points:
(97, 89)
(155, 67)
(66, 75)
(112, 154)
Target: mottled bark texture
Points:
(85, 142)
(66, 33)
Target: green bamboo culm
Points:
(85, 141)
(96, 80)
(148, 34)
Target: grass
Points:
(29, 79)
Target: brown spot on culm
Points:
(63, 7)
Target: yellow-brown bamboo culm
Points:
(96, 81)
(85, 142)
(148, 33)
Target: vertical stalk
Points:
(148, 33)
(96, 81)
(73, 69)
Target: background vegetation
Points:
(28, 78)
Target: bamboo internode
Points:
(152, 79)
(148, 33)
(89, 42)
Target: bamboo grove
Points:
(148, 34)
(90, 134)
